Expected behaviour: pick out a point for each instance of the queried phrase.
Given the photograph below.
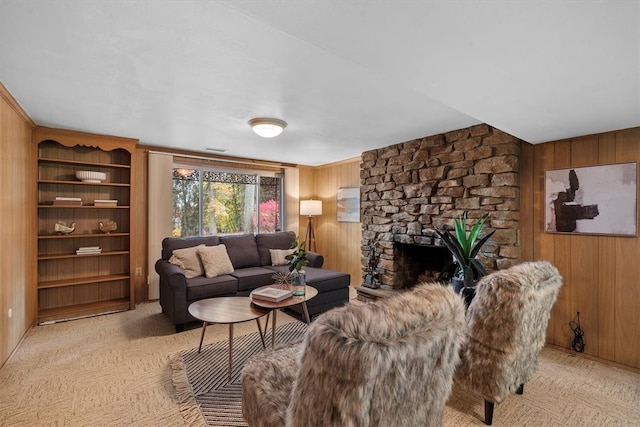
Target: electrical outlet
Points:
(139, 272)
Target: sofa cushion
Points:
(242, 250)
(203, 287)
(266, 241)
(215, 260)
(188, 260)
(170, 244)
(324, 280)
(278, 256)
(253, 277)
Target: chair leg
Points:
(488, 412)
(520, 389)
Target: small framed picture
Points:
(348, 208)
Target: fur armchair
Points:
(388, 363)
(506, 326)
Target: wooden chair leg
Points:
(520, 389)
(488, 412)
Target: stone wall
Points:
(408, 189)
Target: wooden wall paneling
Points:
(5, 329)
(543, 242)
(585, 256)
(604, 344)
(349, 240)
(17, 190)
(543, 248)
(327, 229)
(307, 190)
(527, 201)
(563, 309)
(627, 285)
(600, 281)
(340, 240)
(140, 212)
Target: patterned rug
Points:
(201, 380)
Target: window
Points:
(208, 202)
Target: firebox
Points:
(417, 263)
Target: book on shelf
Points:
(105, 202)
(85, 250)
(67, 201)
(271, 294)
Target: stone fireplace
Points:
(410, 189)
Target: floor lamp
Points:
(310, 208)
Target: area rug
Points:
(206, 395)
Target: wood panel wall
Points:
(140, 216)
(17, 216)
(601, 273)
(339, 242)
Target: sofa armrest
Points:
(315, 259)
(173, 274)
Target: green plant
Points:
(464, 247)
(298, 258)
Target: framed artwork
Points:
(592, 200)
(349, 204)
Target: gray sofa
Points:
(252, 268)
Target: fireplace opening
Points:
(419, 263)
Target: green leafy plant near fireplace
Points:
(464, 246)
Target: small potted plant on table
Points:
(297, 260)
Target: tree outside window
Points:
(209, 202)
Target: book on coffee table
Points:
(271, 294)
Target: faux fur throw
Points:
(506, 326)
(388, 363)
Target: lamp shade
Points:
(266, 127)
(311, 207)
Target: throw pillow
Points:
(188, 260)
(278, 256)
(215, 260)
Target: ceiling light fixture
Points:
(267, 128)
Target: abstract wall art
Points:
(592, 200)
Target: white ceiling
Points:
(347, 76)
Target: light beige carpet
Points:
(206, 394)
(110, 370)
(114, 370)
(566, 391)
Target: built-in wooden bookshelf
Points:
(72, 285)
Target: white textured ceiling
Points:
(347, 76)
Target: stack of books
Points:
(67, 201)
(271, 294)
(86, 250)
(105, 203)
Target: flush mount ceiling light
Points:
(267, 128)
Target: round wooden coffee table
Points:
(310, 292)
(227, 310)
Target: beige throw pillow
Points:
(188, 260)
(278, 256)
(215, 260)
